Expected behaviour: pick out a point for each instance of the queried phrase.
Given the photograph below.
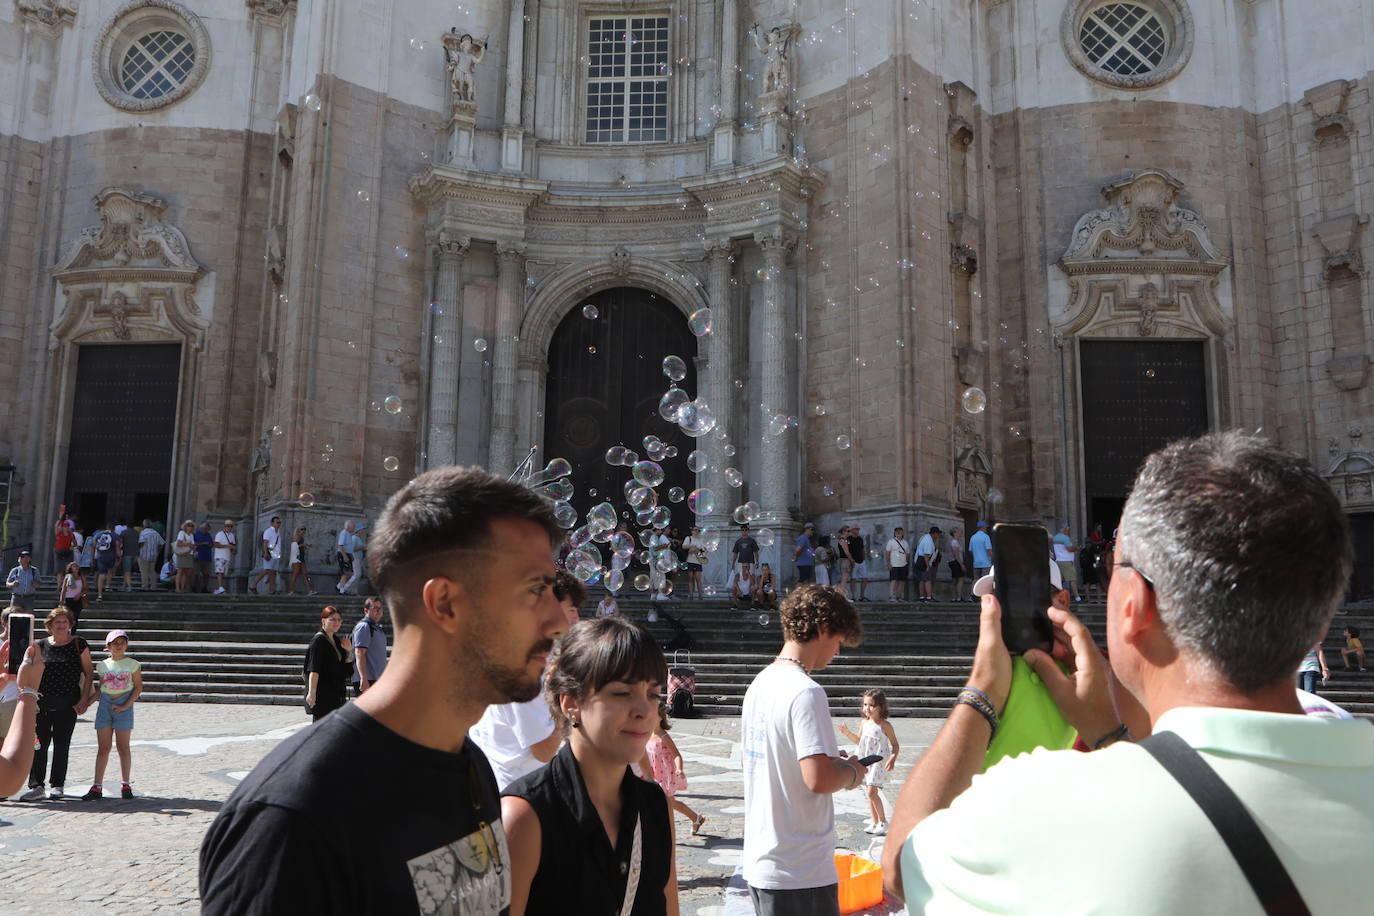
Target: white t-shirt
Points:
(223, 541)
(271, 538)
(505, 733)
(607, 606)
(925, 546)
(897, 552)
(789, 831)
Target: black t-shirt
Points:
(349, 817)
(61, 683)
(578, 871)
(856, 548)
(746, 549)
(325, 656)
(129, 538)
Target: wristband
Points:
(986, 699)
(1120, 733)
(972, 698)
(29, 692)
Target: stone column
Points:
(721, 371)
(510, 299)
(441, 437)
(724, 138)
(512, 134)
(778, 370)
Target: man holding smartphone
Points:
(1231, 561)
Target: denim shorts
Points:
(106, 717)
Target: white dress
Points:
(873, 741)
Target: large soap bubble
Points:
(672, 403)
(674, 368)
(974, 400)
(649, 473)
(702, 501)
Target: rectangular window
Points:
(627, 80)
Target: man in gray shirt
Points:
(369, 646)
(23, 582)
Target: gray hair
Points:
(1247, 548)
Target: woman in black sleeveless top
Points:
(586, 835)
(327, 666)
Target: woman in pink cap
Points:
(120, 680)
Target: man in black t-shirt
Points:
(298, 836)
(745, 552)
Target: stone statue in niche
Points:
(119, 314)
(774, 45)
(462, 54)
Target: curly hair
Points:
(812, 611)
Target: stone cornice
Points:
(439, 183)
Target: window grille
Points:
(627, 79)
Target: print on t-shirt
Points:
(468, 876)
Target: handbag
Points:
(1253, 853)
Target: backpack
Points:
(681, 705)
(104, 541)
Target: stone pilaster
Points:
(778, 369)
(723, 153)
(512, 133)
(721, 372)
(442, 433)
(510, 289)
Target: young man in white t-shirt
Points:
(792, 762)
(898, 553)
(226, 544)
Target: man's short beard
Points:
(500, 683)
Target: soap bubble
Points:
(696, 419)
(674, 368)
(580, 537)
(661, 517)
(642, 582)
(765, 537)
(642, 499)
(649, 473)
(622, 545)
(729, 451)
(417, 44)
(601, 516)
(558, 467)
(306, 499)
(555, 490)
(827, 490)
(667, 589)
(436, 309)
(312, 101)
(391, 404)
(697, 461)
(670, 452)
(276, 430)
(671, 404)
(391, 462)
(842, 443)
(700, 322)
(590, 311)
(480, 345)
(819, 410)
(777, 425)
(974, 399)
(591, 350)
(655, 448)
(565, 515)
(676, 495)
(995, 496)
(710, 538)
(733, 477)
(702, 501)
(1149, 373)
(363, 195)
(402, 252)
(615, 455)
(615, 580)
(763, 620)
(746, 513)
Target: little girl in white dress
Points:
(875, 736)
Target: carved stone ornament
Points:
(620, 261)
(1143, 265)
(1327, 102)
(130, 278)
(51, 13)
(271, 9)
(132, 21)
(1341, 239)
(1351, 476)
(972, 475)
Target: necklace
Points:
(788, 658)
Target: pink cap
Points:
(115, 634)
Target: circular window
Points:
(1131, 44)
(150, 54)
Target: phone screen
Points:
(1021, 556)
(21, 637)
(870, 759)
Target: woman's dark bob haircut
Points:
(597, 652)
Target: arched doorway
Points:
(605, 381)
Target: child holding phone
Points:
(121, 681)
(876, 738)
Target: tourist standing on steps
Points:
(1064, 557)
(857, 551)
(844, 561)
(327, 666)
(63, 541)
(128, 552)
(150, 544)
(804, 554)
(66, 692)
(184, 551)
(226, 545)
(23, 582)
(956, 564)
(980, 551)
(205, 548)
(359, 560)
(119, 684)
(72, 587)
(271, 557)
(300, 563)
(343, 555)
(898, 552)
(464, 560)
(369, 646)
(927, 564)
(792, 761)
(695, 550)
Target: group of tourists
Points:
(277, 554)
(1230, 561)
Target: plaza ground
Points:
(140, 856)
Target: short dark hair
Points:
(448, 508)
(566, 585)
(812, 608)
(594, 653)
(1248, 549)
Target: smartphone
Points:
(21, 637)
(870, 759)
(1021, 555)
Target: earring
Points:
(576, 723)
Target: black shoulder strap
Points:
(1253, 853)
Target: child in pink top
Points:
(663, 763)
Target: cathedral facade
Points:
(924, 262)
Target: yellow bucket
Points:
(861, 882)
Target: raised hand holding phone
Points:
(1020, 556)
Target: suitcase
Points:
(682, 687)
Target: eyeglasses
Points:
(1146, 579)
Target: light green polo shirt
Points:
(1065, 832)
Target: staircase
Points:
(249, 649)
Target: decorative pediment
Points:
(1351, 476)
(1143, 265)
(130, 278)
(51, 13)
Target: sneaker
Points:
(868, 828)
(219, 591)
(125, 791)
(880, 829)
(34, 794)
(55, 793)
(94, 794)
